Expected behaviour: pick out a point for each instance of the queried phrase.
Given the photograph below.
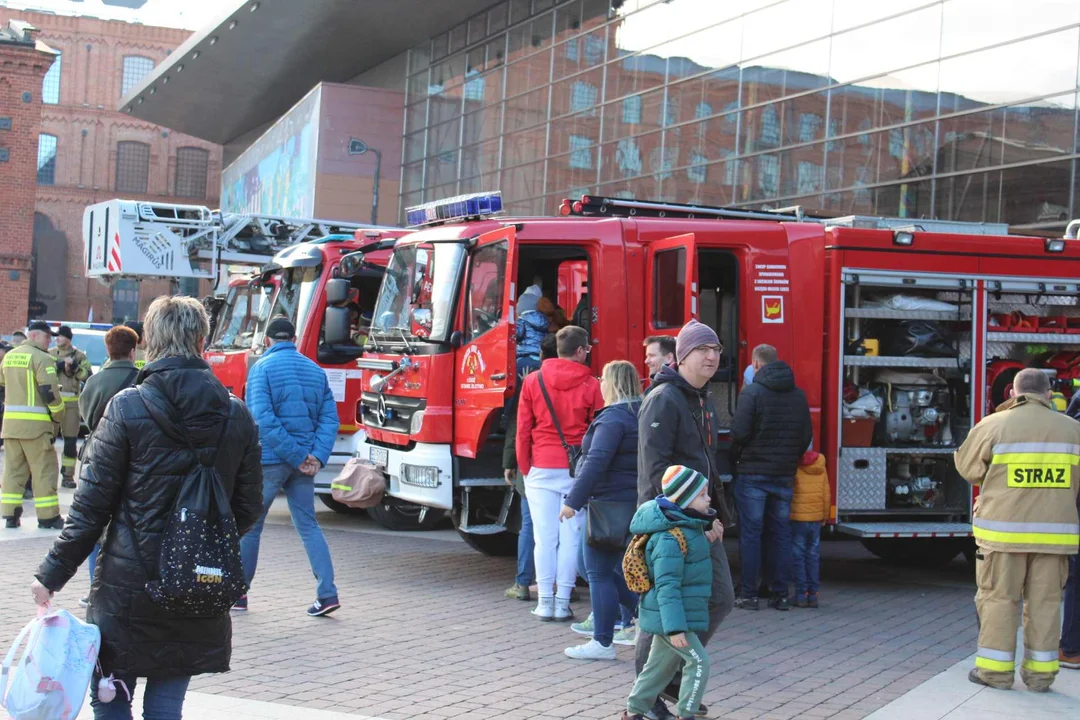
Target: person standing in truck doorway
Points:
(1025, 459)
(557, 404)
(659, 351)
(72, 370)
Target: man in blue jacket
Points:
(292, 403)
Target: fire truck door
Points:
(672, 283)
(484, 375)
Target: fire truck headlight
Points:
(420, 475)
(1055, 245)
(416, 423)
(903, 237)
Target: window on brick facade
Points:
(631, 110)
(132, 167)
(581, 152)
(191, 165)
(46, 160)
(583, 96)
(136, 68)
(50, 86)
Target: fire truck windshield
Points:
(239, 318)
(417, 293)
(294, 298)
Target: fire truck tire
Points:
(404, 516)
(915, 552)
(339, 507)
(502, 544)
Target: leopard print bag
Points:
(635, 569)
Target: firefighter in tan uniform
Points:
(72, 370)
(1025, 458)
(33, 409)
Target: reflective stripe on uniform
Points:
(47, 501)
(28, 409)
(1036, 447)
(11, 498)
(71, 399)
(1015, 458)
(1043, 661)
(1019, 533)
(995, 660)
(26, 416)
(67, 461)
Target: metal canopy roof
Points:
(254, 62)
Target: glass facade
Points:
(956, 109)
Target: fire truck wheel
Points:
(915, 552)
(337, 507)
(404, 516)
(502, 544)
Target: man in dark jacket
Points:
(678, 425)
(128, 481)
(771, 431)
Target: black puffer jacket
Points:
(677, 425)
(771, 428)
(137, 458)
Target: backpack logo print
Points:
(655, 425)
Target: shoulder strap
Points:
(551, 409)
(129, 380)
(680, 538)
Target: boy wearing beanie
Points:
(676, 608)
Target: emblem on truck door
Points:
(772, 308)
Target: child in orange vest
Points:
(810, 505)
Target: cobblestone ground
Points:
(425, 632)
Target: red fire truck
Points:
(294, 259)
(896, 330)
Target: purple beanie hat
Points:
(692, 336)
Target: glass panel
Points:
(881, 156)
(861, 53)
(523, 182)
(442, 169)
(482, 159)
(786, 73)
(191, 168)
(783, 25)
(497, 17)
(972, 24)
(482, 89)
(443, 138)
(477, 28)
(448, 73)
(528, 74)
(527, 110)
(519, 10)
(487, 282)
(529, 37)
(907, 200)
(852, 13)
(626, 158)
(482, 124)
(414, 146)
(525, 146)
(412, 177)
(496, 52)
(637, 31)
(136, 68)
(883, 101)
(633, 75)
(581, 125)
(580, 53)
(458, 38)
(438, 46)
(50, 84)
(669, 308)
(567, 20)
(418, 87)
(132, 167)
(574, 173)
(420, 57)
(1038, 67)
(445, 106)
(46, 160)
(1029, 195)
(416, 117)
(580, 93)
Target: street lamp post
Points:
(359, 147)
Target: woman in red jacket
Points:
(575, 396)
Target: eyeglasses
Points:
(710, 349)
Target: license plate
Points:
(380, 456)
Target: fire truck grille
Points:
(390, 412)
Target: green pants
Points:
(25, 460)
(664, 661)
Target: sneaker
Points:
(591, 650)
(811, 600)
(671, 694)
(584, 628)
(626, 636)
(628, 716)
(240, 605)
(747, 604)
(659, 711)
(780, 603)
(517, 592)
(84, 602)
(800, 601)
(56, 523)
(68, 483)
(1070, 662)
(562, 612)
(323, 606)
(545, 609)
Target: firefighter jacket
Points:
(32, 401)
(1025, 458)
(71, 385)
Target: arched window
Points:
(136, 68)
(50, 86)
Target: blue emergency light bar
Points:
(454, 208)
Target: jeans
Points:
(300, 494)
(721, 602)
(1070, 628)
(526, 567)
(806, 556)
(91, 562)
(163, 699)
(764, 502)
(607, 591)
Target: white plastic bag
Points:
(868, 405)
(53, 675)
(912, 302)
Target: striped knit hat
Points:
(682, 484)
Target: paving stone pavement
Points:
(425, 632)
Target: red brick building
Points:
(23, 63)
(86, 152)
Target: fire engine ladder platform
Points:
(905, 529)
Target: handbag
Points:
(573, 452)
(359, 484)
(607, 524)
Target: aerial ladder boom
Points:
(134, 239)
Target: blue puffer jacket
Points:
(679, 598)
(532, 326)
(608, 468)
(292, 403)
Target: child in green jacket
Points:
(676, 608)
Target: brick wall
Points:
(22, 68)
(88, 128)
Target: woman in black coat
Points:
(131, 473)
